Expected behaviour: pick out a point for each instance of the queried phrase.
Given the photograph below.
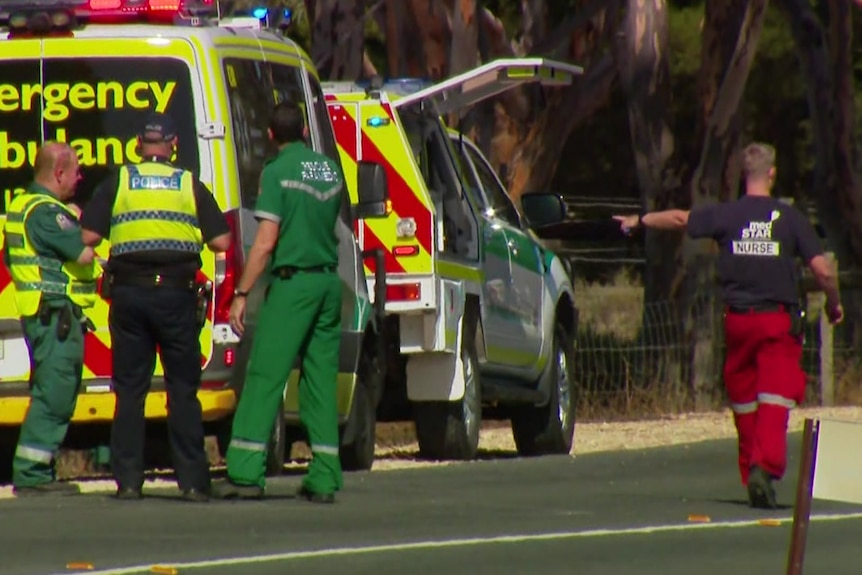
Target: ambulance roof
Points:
(113, 23)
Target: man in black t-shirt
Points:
(759, 240)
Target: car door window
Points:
(472, 185)
(496, 195)
(328, 144)
(250, 92)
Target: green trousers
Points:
(300, 317)
(55, 380)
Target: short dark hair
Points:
(287, 122)
(757, 159)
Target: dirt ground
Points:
(397, 448)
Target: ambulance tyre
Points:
(276, 451)
(359, 433)
(449, 430)
(550, 429)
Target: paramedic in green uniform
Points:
(54, 275)
(297, 208)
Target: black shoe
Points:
(761, 494)
(129, 493)
(226, 489)
(196, 495)
(51, 488)
(305, 493)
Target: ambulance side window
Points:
(327, 138)
(496, 194)
(250, 91)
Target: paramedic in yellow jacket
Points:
(54, 275)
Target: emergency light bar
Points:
(32, 17)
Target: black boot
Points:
(226, 489)
(761, 493)
(51, 488)
(305, 493)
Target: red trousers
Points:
(764, 381)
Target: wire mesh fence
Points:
(634, 359)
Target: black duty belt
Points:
(154, 280)
(761, 308)
(287, 272)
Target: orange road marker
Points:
(699, 518)
(80, 566)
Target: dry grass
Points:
(615, 309)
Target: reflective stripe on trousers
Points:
(764, 398)
(325, 449)
(248, 445)
(34, 454)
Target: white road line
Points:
(466, 542)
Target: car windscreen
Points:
(97, 105)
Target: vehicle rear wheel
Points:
(450, 429)
(278, 445)
(8, 441)
(359, 433)
(550, 429)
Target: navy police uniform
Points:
(157, 217)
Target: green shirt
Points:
(301, 190)
(54, 233)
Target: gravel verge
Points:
(397, 448)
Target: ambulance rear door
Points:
(510, 263)
(458, 93)
(93, 91)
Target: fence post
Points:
(827, 371)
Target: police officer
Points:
(298, 207)
(54, 275)
(157, 217)
(759, 240)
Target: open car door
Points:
(460, 92)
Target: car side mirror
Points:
(543, 209)
(372, 188)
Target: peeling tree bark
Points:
(404, 55)
(464, 47)
(706, 188)
(535, 161)
(849, 191)
(824, 55)
(645, 79)
(337, 38)
(535, 18)
(646, 82)
(534, 157)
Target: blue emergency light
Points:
(377, 121)
(265, 15)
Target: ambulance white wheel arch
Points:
(450, 429)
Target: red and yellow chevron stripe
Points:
(97, 345)
(410, 199)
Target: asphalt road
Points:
(618, 513)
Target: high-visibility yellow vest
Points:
(155, 209)
(34, 274)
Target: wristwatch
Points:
(240, 293)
